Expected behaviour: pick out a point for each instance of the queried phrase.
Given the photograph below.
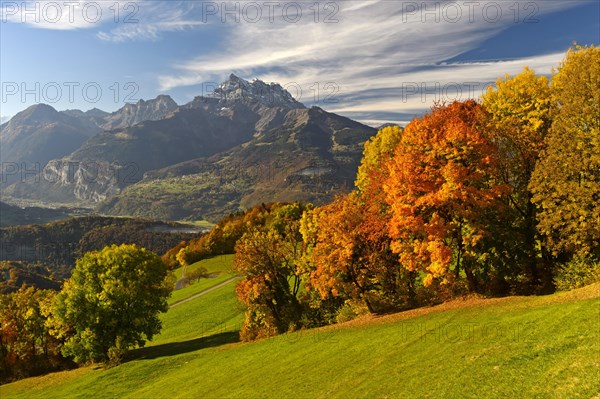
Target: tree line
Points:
(498, 196)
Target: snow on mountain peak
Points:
(270, 94)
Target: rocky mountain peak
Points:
(269, 94)
(98, 113)
(149, 110)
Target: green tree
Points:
(111, 303)
(566, 180)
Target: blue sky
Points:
(374, 61)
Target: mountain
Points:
(38, 134)
(94, 117)
(268, 94)
(131, 114)
(128, 115)
(312, 156)
(243, 143)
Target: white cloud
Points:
(375, 48)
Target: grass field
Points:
(219, 267)
(518, 347)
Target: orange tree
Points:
(352, 256)
(440, 183)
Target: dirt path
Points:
(206, 291)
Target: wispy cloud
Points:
(148, 20)
(375, 50)
(67, 15)
(115, 21)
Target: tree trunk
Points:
(471, 280)
(530, 239)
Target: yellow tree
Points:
(378, 151)
(518, 117)
(566, 180)
(26, 346)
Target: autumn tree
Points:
(353, 259)
(221, 239)
(111, 303)
(566, 180)
(26, 346)
(379, 149)
(517, 119)
(318, 310)
(440, 180)
(170, 257)
(268, 256)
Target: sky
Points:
(375, 61)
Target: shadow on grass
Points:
(178, 348)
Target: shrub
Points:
(345, 314)
(580, 271)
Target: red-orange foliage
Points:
(439, 183)
(352, 255)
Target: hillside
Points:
(11, 215)
(526, 347)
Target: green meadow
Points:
(516, 347)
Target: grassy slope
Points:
(218, 311)
(525, 347)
